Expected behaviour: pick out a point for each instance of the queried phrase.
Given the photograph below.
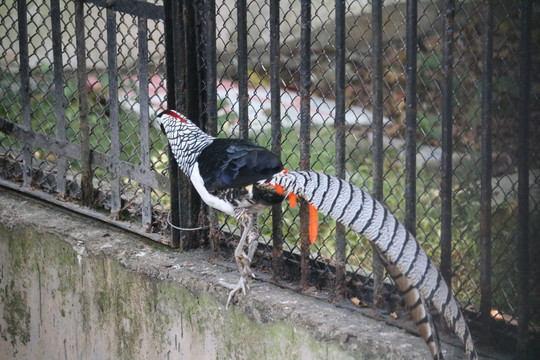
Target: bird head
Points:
(185, 138)
(172, 121)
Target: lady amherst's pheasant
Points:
(240, 179)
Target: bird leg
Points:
(243, 260)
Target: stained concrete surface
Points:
(75, 288)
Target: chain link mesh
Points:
(466, 113)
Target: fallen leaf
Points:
(356, 301)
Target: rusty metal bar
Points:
(339, 124)
(241, 54)
(523, 261)
(24, 69)
(114, 110)
(275, 105)
(410, 116)
(486, 173)
(59, 106)
(87, 189)
(144, 102)
(446, 140)
(377, 145)
(305, 138)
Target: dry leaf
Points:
(356, 301)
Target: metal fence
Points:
(432, 107)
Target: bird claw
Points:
(243, 260)
(241, 285)
(249, 272)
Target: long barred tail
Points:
(415, 274)
(419, 310)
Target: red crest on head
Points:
(176, 115)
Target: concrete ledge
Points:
(74, 288)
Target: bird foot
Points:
(241, 285)
(249, 272)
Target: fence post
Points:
(339, 124)
(410, 116)
(523, 261)
(211, 98)
(192, 108)
(305, 137)
(145, 119)
(181, 58)
(241, 54)
(114, 115)
(87, 189)
(275, 102)
(485, 173)
(24, 68)
(446, 141)
(59, 106)
(377, 145)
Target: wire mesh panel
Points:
(78, 101)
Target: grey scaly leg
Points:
(253, 243)
(242, 261)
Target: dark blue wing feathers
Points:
(228, 163)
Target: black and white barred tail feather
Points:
(415, 274)
(419, 310)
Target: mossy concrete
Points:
(74, 288)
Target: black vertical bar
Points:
(191, 53)
(114, 116)
(179, 60)
(211, 94)
(59, 109)
(486, 173)
(201, 60)
(144, 121)
(377, 146)
(410, 117)
(275, 101)
(211, 70)
(87, 191)
(174, 80)
(305, 139)
(204, 214)
(241, 53)
(523, 263)
(24, 68)
(446, 141)
(339, 124)
(189, 196)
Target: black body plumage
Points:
(234, 163)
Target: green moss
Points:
(84, 303)
(16, 315)
(120, 310)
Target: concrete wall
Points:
(74, 288)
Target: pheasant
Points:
(240, 179)
(230, 175)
